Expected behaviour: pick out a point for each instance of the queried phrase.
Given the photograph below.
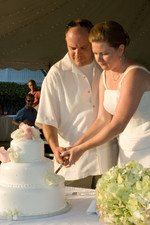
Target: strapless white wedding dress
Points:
(134, 141)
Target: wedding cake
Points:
(28, 186)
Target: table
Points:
(80, 199)
(6, 127)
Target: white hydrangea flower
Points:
(11, 214)
(53, 179)
(14, 154)
(26, 132)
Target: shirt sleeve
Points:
(49, 107)
(19, 116)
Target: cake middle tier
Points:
(25, 174)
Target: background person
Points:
(69, 105)
(27, 114)
(124, 107)
(34, 91)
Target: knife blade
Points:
(59, 168)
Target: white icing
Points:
(28, 185)
(29, 150)
(29, 202)
(25, 174)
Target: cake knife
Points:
(59, 168)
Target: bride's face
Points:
(107, 57)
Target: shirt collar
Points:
(68, 65)
(28, 108)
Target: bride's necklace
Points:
(115, 78)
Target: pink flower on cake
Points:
(27, 130)
(4, 155)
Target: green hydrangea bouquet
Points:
(123, 195)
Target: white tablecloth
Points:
(79, 199)
(6, 127)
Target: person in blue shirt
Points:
(27, 114)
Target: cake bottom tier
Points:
(21, 203)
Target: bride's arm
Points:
(130, 95)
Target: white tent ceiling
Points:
(32, 31)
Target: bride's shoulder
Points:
(135, 68)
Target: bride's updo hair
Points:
(110, 32)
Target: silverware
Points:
(59, 168)
(64, 163)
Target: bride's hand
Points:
(73, 155)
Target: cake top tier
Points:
(25, 132)
(26, 146)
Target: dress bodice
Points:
(134, 141)
(143, 110)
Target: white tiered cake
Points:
(28, 186)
